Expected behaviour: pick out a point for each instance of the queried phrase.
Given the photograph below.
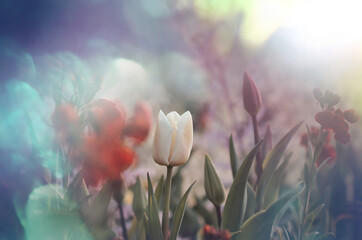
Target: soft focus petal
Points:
(183, 140)
(351, 116)
(107, 117)
(162, 140)
(139, 125)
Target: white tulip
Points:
(173, 139)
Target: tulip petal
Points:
(162, 140)
(182, 140)
(173, 117)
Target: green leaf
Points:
(271, 162)
(235, 204)
(159, 190)
(77, 189)
(137, 230)
(49, 215)
(96, 213)
(214, 188)
(233, 157)
(154, 227)
(267, 143)
(318, 210)
(308, 223)
(251, 203)
(286, 233)
(272, 189)
(259, 226)
(179, 214)
(139, 203)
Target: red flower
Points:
(104, 158)
(334, 120)
(106, 117)
(325, 119)
(139, 125)
(351, 116)
(104, 152)
(342, 136)
(210, 233)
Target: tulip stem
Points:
(123, 222)
(259, 163)
(165, 219)
(218, 213)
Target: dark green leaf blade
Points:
(271, 162)
(179, 214)
(233, 157)
(259, 226)
(235, 204)
(155, 230)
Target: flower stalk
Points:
(259, 163)
(166, 207)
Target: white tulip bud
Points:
(173, 139)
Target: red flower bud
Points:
(351, 116)
(251, 95)
(331, 99)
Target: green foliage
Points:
(179, 214)
(273, 187)
(139, 203)
(154, 226)
(235, 204)
(259, 226)
(271, 162)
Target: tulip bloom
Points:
(173, 139)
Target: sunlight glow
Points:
(328, 24)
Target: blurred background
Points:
(176, 55)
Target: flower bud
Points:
(251, 95)
(173, 139)
(331, 99)
(351, 116)
(214, 188)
